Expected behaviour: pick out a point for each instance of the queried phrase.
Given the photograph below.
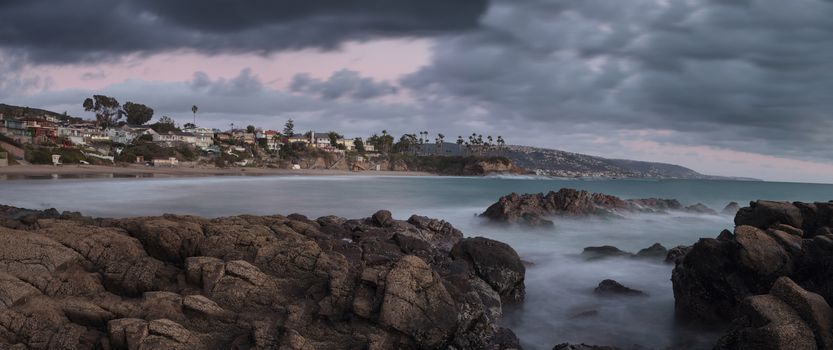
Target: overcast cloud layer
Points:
(752, 76)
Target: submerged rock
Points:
(246, 282)
(605, 251)
(533, 209)
(610, 287)
(731, 208)
(700, 208)
(655, 251)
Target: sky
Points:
(725, 87)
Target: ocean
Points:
(560, 305)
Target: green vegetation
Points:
(165, 125)
(137, 113)
(43, 155)
(446, 165)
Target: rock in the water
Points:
(251, 282)
(533, 209)
(700, 208)
(610, 287)
(731, 208)
(605, 251)
(654, 251)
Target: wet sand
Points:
(84, 171)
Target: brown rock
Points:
(416, 303)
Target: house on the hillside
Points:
(204, 137)
(320, 140)
(349, 144)
(173, 138)
(40, 128)
(243, 136)
(272, 139)
(15, 129)
(297, 138)
(126, 134)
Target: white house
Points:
(320, 139)
(204, 137)
(349, 144)
(172, 138)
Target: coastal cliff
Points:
(250, 282)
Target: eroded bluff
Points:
(250, 282)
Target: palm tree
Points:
(194, 110)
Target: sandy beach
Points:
(70, 171)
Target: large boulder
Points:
(771, 240)
(496, 263)
(789, 317)
(416, 303)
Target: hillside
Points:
(567, 164)
(18, 111)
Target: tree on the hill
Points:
(107, 110)
(359, 144)
(194, 110)
(137, 113)
(289, 128)
(164, 125)
(250, 129)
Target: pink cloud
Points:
(383, 59)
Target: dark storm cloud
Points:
(752, 75)
(92, 30)
(343, 83)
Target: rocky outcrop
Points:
(533, 209)
(655, 251)
(610, 288)
(812, 219)
(772, 240)
(788, 317)
(251, 282)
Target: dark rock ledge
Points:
(250, 282)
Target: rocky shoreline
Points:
(250, 282)
(290, 282)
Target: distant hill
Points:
(18, 111)
(567, 164)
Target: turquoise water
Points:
(559, 283)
